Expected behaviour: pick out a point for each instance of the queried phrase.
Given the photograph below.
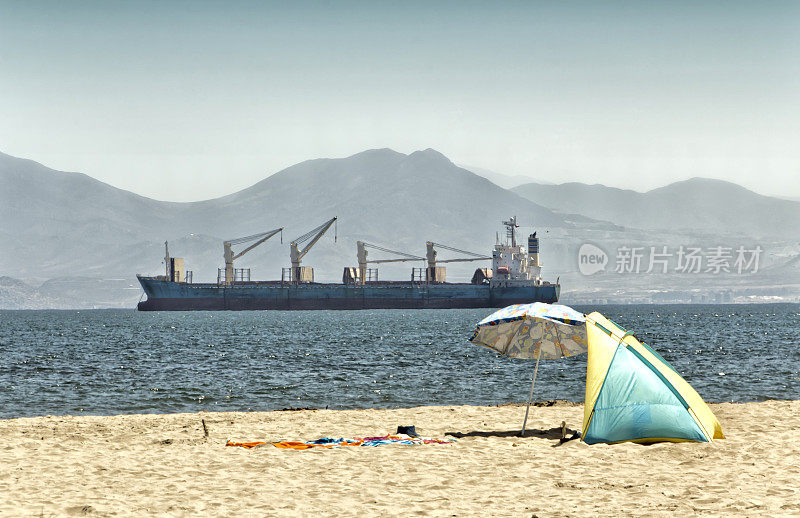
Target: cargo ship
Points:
(514, 278)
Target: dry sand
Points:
(164, 465)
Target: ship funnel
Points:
(533, 244)
(533, 250)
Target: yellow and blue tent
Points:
(633, 394)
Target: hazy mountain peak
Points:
(699, 182)
(430, 155)
(383, 152)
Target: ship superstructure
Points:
(511, 264)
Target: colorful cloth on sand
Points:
(329, 442)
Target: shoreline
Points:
(168, 464)
(545, 403)
(541, 403)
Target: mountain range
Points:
(71, 230)
(57, 223)
(696, 204)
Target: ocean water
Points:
(122, 361)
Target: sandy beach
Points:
(166, 465)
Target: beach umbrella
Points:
(533, 331)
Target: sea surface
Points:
(121, 361)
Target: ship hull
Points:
(163, 295)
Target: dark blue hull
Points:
(163, 295)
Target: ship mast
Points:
(511, 224)
(166, 259)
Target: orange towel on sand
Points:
(292, 445)
(247, 445)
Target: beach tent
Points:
(633, 394)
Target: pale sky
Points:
(191, 100)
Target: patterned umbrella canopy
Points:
(533, 331)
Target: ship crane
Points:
(431, 255)
(312, 236)
(362, 258)
(229, 255)
(438, 274)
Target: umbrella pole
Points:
(530, 396)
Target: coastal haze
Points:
(75, 242)
(617, 127)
